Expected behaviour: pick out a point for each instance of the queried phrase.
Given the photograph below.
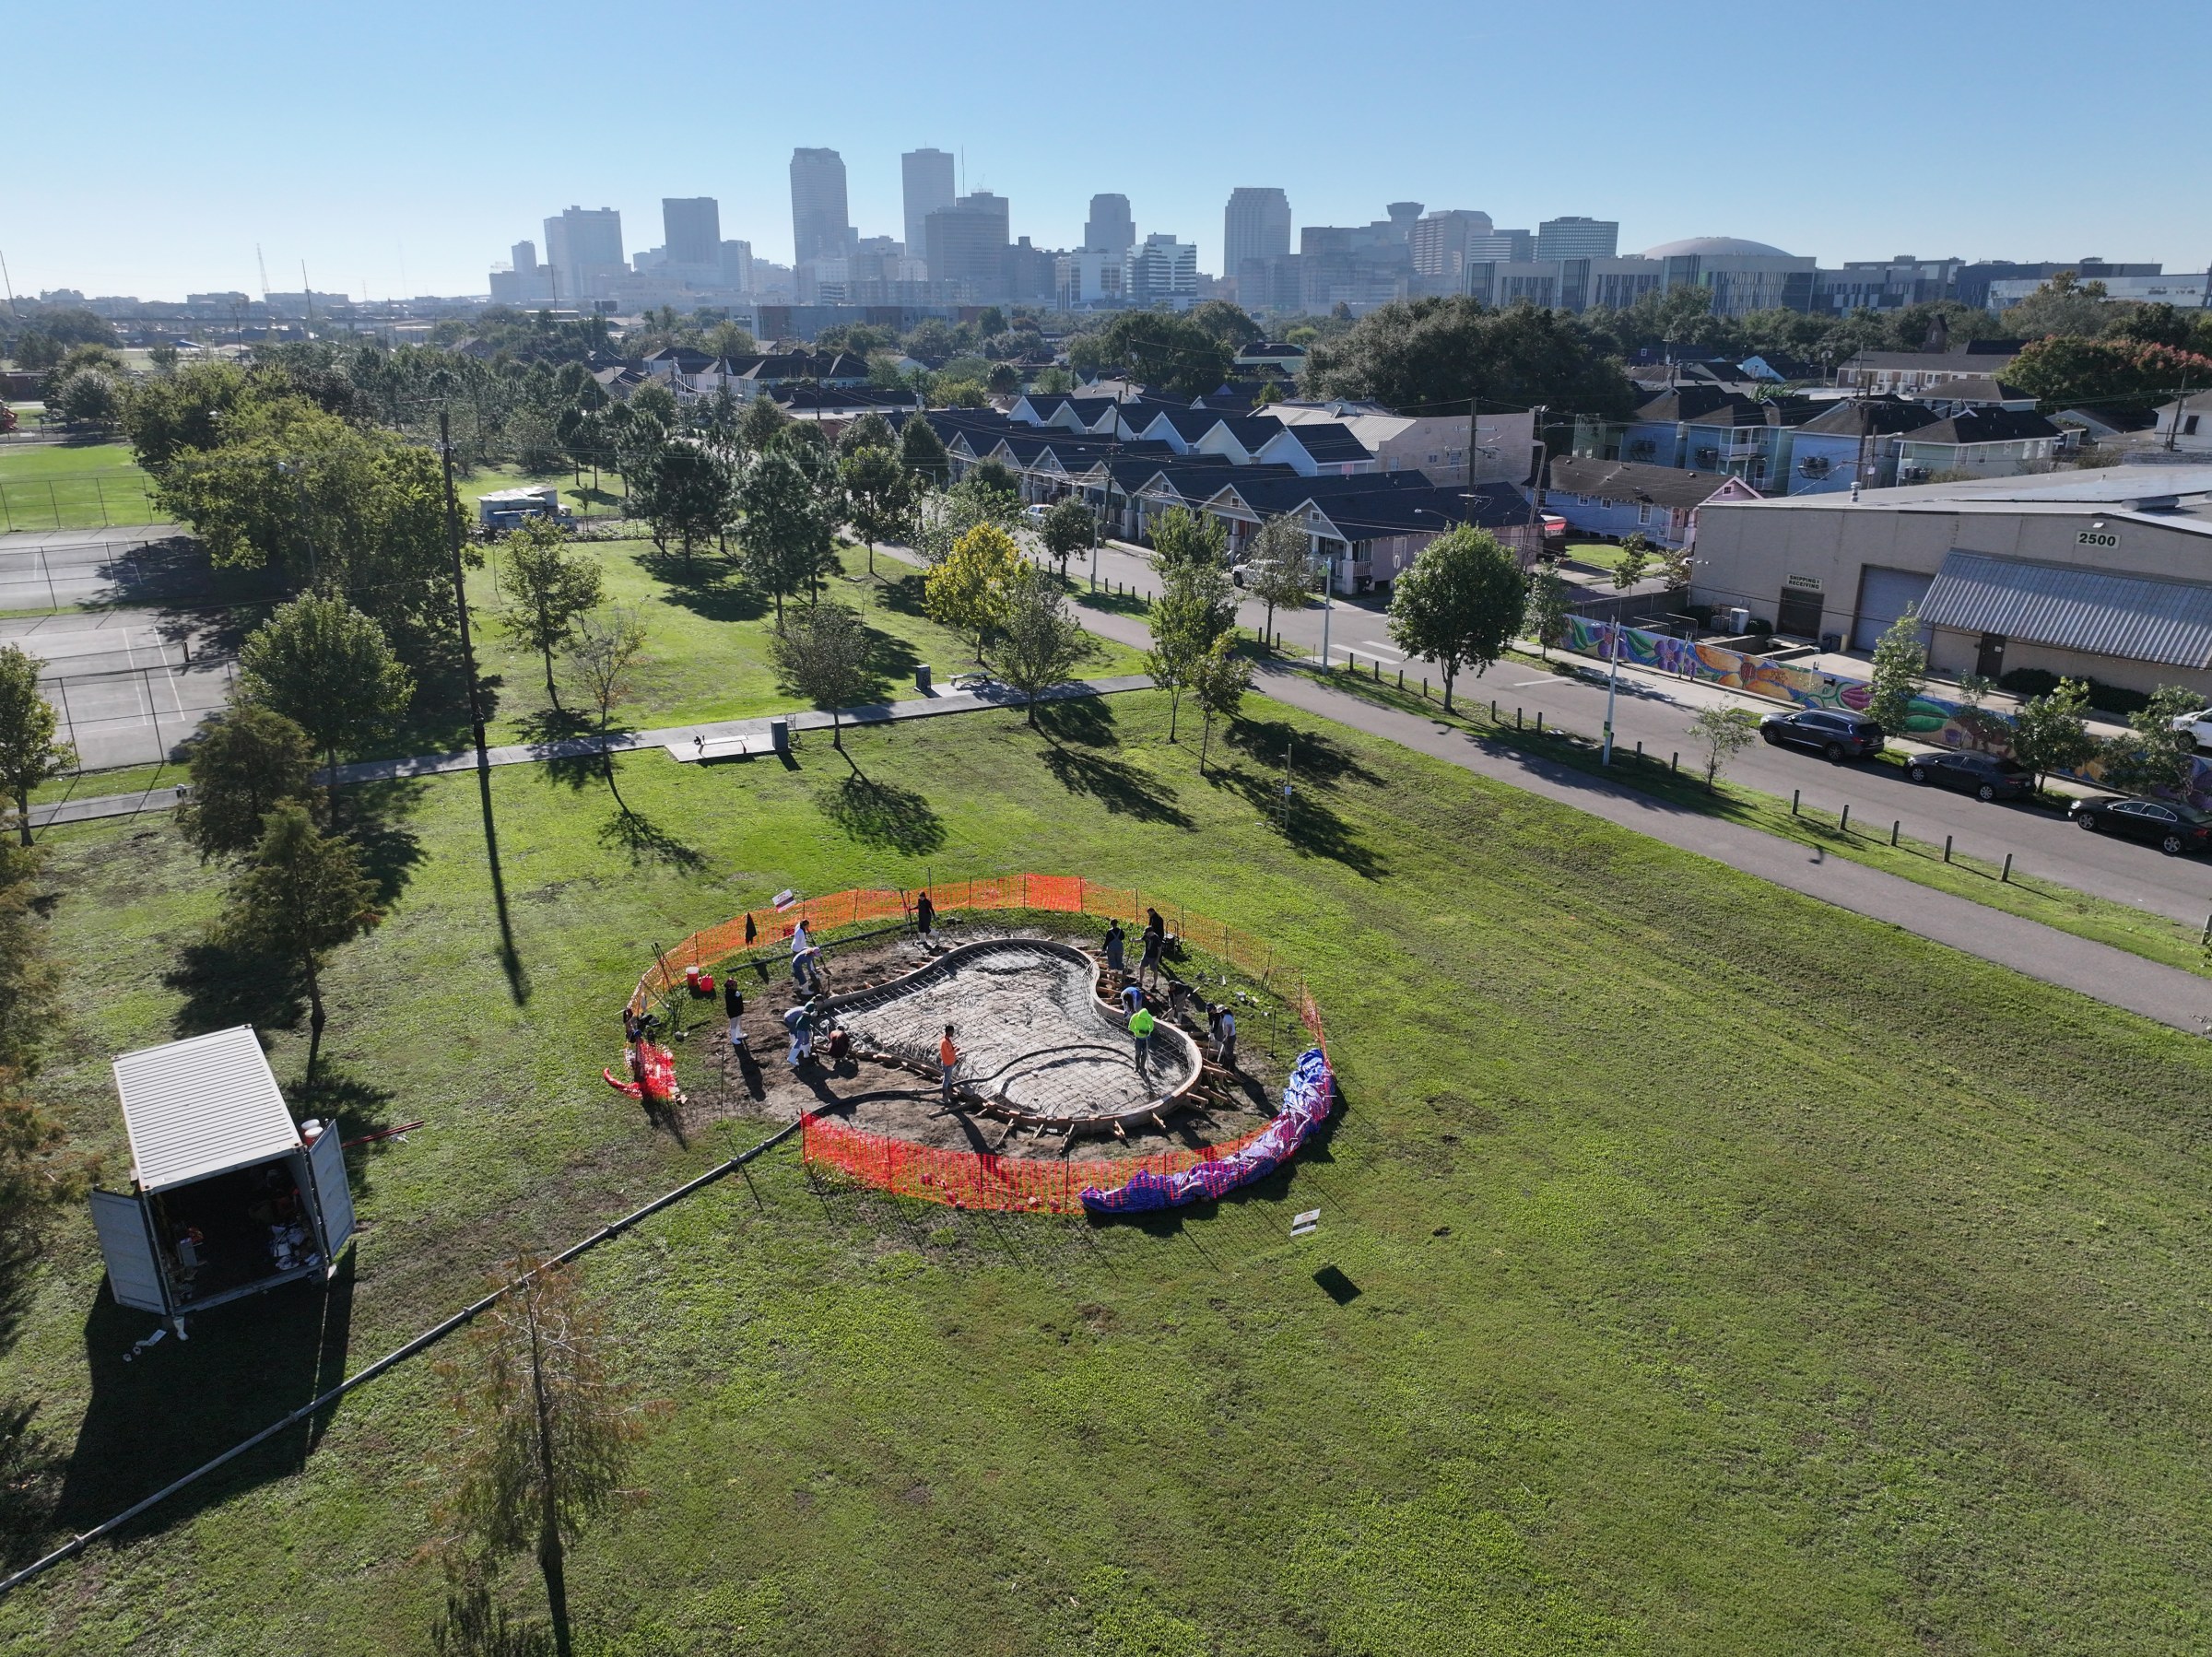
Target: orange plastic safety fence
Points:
(979, 1179)
(975, 1178)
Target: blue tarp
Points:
(1308, 1098)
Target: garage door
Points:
(1884, 595)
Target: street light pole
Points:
(1328, 603)
(1612, 684)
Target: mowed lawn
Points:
(708, 638)
(1700, 1268)
(73, 486)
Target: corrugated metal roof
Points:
(202, 1107)
(2139, 618)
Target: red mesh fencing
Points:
(978, 1178)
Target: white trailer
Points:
(227, 1197)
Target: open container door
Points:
(134, 1268)
(334, 1197)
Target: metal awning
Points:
(202, 1107)
(2139, 618)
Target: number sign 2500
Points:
(2095, 537)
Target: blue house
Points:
(1852, 441)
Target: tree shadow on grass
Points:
(1084, 719)
(882, 816)
(354, 1108)
(716, 596)
(903, 596)
(224, 984)
(389, 848)
(644, 840)
(1117, 786)
(1307, 819)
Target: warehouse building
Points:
(2103, 574)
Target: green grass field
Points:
(709, 640)
(73, 486)
(1702, 1269)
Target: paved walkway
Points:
(580, 748)
(2098, 970)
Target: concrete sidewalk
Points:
(621, 741)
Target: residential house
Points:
(1623, 498)
(1435, 445)
(1910, 371)
(1706, 429)
(2184, 426)
(1852, 441)
(1981, 442)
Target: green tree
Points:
(2050, 733)
(546, 587)
(1460, 604)
(1067, 529)
(605, 653)
(91, 395)
(28, 754)
(2066, 372)
(245, 762)
(967, 592)
(543, 1428)
(29, 987)
(880, 497)
(1180, 536)
(1901, 669)
(301, 897)
(1043, 642)
(921, 452)
(1195, 606)
(784, 533)
(1173, 355)
(995, 475)
(823, 655)
(1725, 733)
(1634, 561)
(2065, 304)
(1278, 565)
(870, 432)
(330, 670)
(945, 517)
(1428, 354)
(1550, 602)
(1227, 322)
(1219, 685)
(657, 401)
(759, 423)
(2153, 755)
(684, 491)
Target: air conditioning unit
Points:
(1739, 619)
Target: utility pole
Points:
(2173, 426)
(11, 286)
(1612, 684)
(1469, 516)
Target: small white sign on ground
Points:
(1306, 1223)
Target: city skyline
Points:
(443, 189)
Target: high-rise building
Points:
(1439, 242)
(585, 249)
(1110, 229)
(1578, 239)
(1256, 225)
(1401, 217)
(1085, 277)
(927, 177)
(1514, 245)
(820, 227)
(691, 230)
(966, 244)
(1161, 271)
(737, 265)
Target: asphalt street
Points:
(1657, 710)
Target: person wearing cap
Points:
(948, 1059)
(799, 1021)
(1224, 1023)
(1140, 1031)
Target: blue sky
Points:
(402, 148)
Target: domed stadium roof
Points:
(1713, 245)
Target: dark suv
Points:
(2174, 828)
(1984, 776)
(1838, 735)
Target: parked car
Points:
(2172, 828)
(1035, 514)
(1985, 776)
(1838, 735)
(2198, 725)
